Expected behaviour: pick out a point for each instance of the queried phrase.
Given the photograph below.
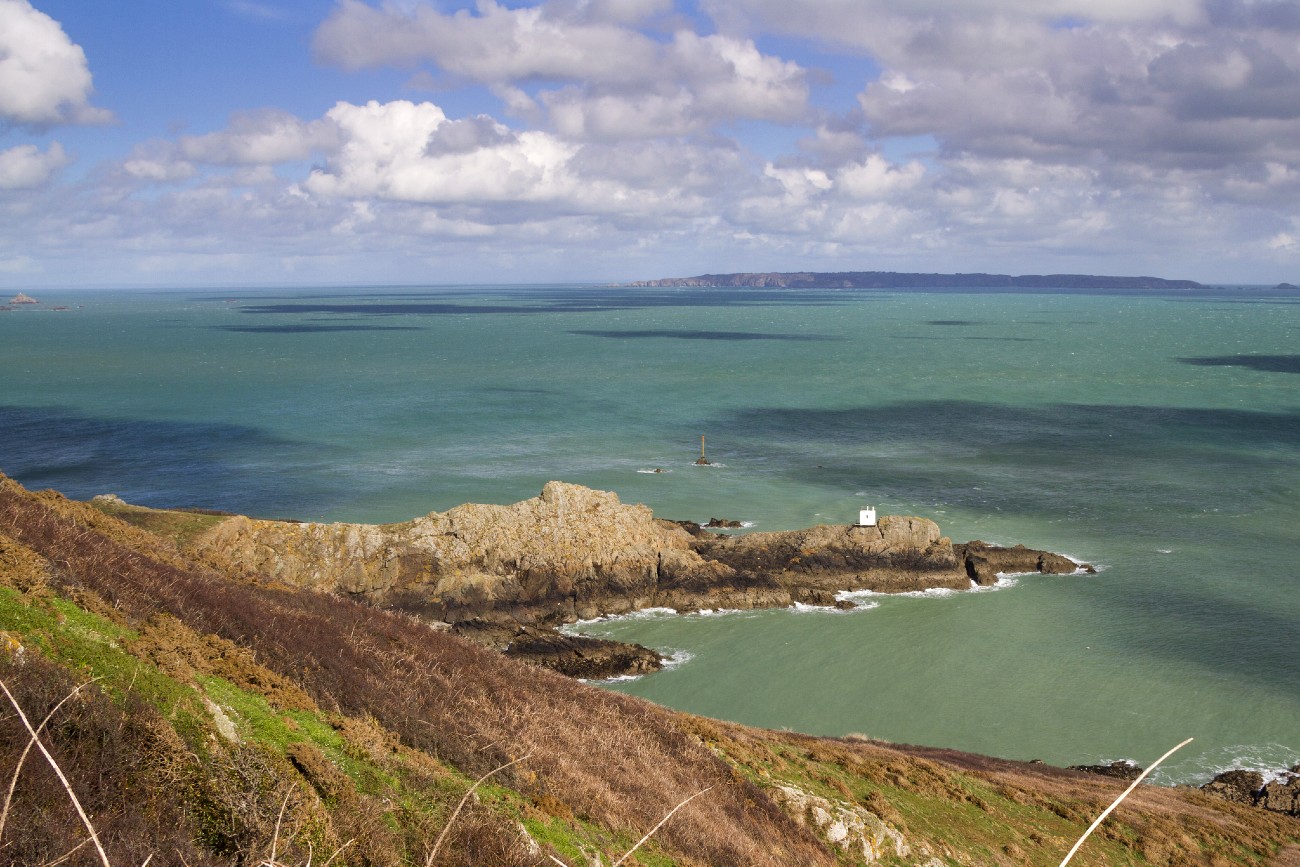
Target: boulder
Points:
(1281, 794)
(983, 562)
(1122, 769)
(852, 830)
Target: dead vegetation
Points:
(358, 731)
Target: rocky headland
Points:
(904, 280)
(507, 575)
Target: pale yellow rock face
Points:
(574, 552)
(553, 544)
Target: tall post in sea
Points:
(703, 461)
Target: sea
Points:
(1155, 436)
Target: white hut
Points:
(867, 517)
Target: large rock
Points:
(984, 562)
(570, 553)
(853, 830)
(1280, 795)
(575, 553)
(574, 655)
(898, 554)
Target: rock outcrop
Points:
(1119, 770)
(575, 655)
(984, 562)
(851, 829)
(1280, 794)
(575, 553)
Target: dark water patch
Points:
(686, 334)
(1229, 301)
(964, 337)
(534, 301)
(1063, 461)
(172, 464)
(1262, 363)
(954, 322)
(380, 309)
(1230, 636)
(310, 329)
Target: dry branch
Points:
(1122, 796)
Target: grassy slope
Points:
(367, 727)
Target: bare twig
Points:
(66, 855)
(338, 851)
(275, 838)
(13, 783)
(1122, 796)
(649, 833)
(456, 812)
(103, 856)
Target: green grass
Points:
(180, 527)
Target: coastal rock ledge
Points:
(499, 572)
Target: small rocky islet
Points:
(508, 576)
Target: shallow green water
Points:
(1157, 437)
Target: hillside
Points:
(225, 717)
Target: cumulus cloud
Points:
(44, 77)
(987, 135)
(26, 167)
(1179, 84)
(495, 45)
(603, 78)
(392, 151)
(261, 138)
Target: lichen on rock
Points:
(851, 829)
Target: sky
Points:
(374, 142)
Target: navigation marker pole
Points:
(703, 461)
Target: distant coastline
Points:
(903, 280)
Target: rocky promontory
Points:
(502, 573)
(904, 280)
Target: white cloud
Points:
(261, 138)
(998, 133)
(875, 178)
(495, 45)
(603, 78)
(387, 153)
(26, 167)
(44, 78)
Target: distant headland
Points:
(902, 280)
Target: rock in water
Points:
(1120, 770)
(1280, 795)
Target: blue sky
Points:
(259, 142)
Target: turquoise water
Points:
(1157, 437)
